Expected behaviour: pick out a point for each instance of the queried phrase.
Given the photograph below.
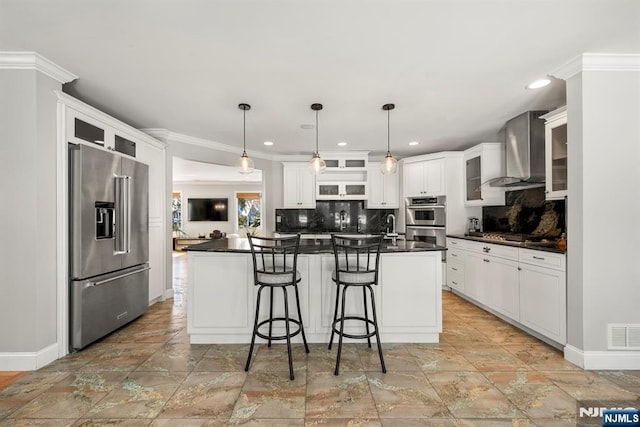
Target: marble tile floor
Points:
(483, 373)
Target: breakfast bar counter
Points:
(221, 294)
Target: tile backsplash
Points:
(325, 218)
(526, 211)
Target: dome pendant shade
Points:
(316, 164)
(244, 164)
(389, 165)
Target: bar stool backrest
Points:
(356, 258)
(276, 257)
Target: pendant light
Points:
(316, 164)
(389, 165)
(244, 164)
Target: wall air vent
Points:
(623, 337)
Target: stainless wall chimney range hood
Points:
(524, 149)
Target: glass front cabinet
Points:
(556, 153)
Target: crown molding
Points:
(597, 62)
(35, 61)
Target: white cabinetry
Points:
(483, 162)
(525, 286)
(335, 190)
(345, 161)
(543, 293)
(383, 189)
(556, 153)
(299, 185)
(455, 264)
(491, 277)
(424, 178)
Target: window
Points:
(176, 211)
(249, 211)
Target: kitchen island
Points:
(221, 294)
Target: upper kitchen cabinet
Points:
(424, 177)
(355, 161)
(483, 162)
(383, 189)
(556, 153)
(299, 185)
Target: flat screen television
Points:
(208, 209)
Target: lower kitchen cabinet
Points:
(493, 281)
(525, 286)
(504, 292)
(543, 298)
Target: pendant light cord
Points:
(388, 132)
(316, 131)
(244, 131)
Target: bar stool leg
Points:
(304, 338)
(341, 334)
(270, 316)
(287, 331)
(335, 315)
(366, 314)
(255, 329)
(375, 325)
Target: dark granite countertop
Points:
(538, 246)
(309, 246)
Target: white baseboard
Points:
(605, 360)
(28, 360)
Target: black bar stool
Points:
(356, 265)
(275, 266)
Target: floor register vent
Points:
(624, 337)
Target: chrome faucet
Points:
(393, 234)
(343, 224)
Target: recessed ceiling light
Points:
(307, 126)
(268, 143)
(414, 143)
(342, 144)
(538, 84)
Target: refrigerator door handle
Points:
(123, 215)
(111, 279)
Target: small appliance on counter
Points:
(473, 225)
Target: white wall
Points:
(604, 200)
(28, 223)
(203, 190)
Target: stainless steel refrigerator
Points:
(108, 242)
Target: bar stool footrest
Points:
(279, 337)
(372, 324)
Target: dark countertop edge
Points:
(323, 247)
(523, 245)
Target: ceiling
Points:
(456, 69)
(189, 171)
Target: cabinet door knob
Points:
(485, 260)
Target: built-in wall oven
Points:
(435, 235)
(429, 211)
(426, 220)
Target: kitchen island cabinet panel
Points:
(221, 294)
(420, 311)
(225, 307)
